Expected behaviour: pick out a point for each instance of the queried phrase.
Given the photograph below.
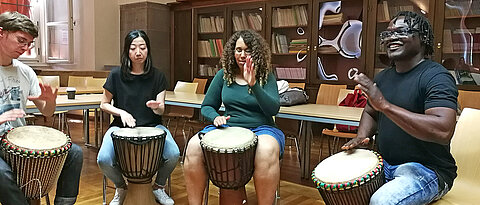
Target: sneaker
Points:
(119, 196)
(163, 197)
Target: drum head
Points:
(37, 138)
(142, 132)
(345, 166)
(229, 138)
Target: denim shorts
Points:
(260, 130)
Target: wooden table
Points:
(81, 102)
(307, 113)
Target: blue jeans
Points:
(67, 185)
(108, 163)
(409, 183)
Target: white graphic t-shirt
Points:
(16, 83)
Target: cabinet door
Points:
(460, 42)
(337, 41)
(246, 16)
(208, 40)
(289, 35)
(385, 11)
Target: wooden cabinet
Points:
(209, 37)
(337, 39)
(457, 33)
(289, 33)
(321, 41)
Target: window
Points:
(54, 20)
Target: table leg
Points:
(86, 134)
(308, 142)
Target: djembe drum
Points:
(36, 155)
(139, 153)
(229, 157)
(349, 177)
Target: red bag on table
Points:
(355, 99)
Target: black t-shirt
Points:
(426, 86)
(132, 95)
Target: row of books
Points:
(293, 16)
(461, 40)
(208, 70)
(297, 73)
(455, 12)
(247, 21)
(210, 48)
(386, 12)
(333, 19)
(211, 24)
(281, 45)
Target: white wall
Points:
(96, 34)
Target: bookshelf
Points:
(288, 33)
(208, 40)
(247, 16)
(460, 42)
(336, 41)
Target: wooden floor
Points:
(293, 190)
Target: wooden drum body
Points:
(36, 154)
(349, 177)
(139, 152)
(229, 156)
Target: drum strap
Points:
(39, 185)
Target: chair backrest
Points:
(185, 87)
(469, 99)
(342, 94)
(53, 81)
(465, 146)
(96, 82)
(78, 81)
(296, 85)
(202, 82)
(328, 94)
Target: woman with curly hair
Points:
(248, 90)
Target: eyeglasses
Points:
(22, 42)
(399, 33)
(247, 51)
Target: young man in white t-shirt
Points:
(19, 83)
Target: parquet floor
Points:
(293, 190)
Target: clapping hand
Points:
(249, 71)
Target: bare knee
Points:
(268, 151)
(194, 152)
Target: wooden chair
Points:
(465, 148)
(327, 95)
(96, 82)
(469, 99)
(78, 81)
(53, 81)
(296, 85)
(337, 135)
(202, 82)
(181, 113)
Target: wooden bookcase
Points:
(315, 33)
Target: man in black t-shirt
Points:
(412, 109)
